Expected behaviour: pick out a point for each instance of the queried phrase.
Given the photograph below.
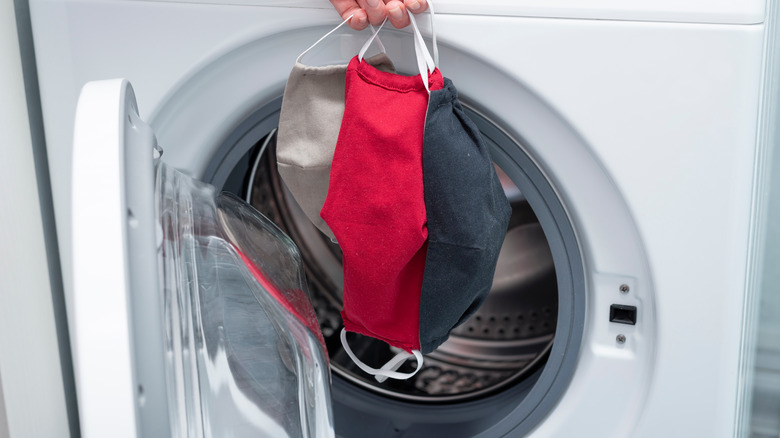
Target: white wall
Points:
(32, 399)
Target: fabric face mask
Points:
(375, 203)
(467, 213)
(312, 108)
(376, 207)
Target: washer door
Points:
(189, 315)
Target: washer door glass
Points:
(191, 310)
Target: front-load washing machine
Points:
(630, 141)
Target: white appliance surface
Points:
(686, 11)
(663, 98)
(28, 344)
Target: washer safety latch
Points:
(622, 314)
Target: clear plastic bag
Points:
(245, 356)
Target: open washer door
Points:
(189, 314)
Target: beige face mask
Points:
(309, 124)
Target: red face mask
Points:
(375, 204)
(416, 207)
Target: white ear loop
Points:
(424, 62)
(388, 370)
(433, 35)
(374, 32)
(371, 40)
(421, 50)
(431, 63)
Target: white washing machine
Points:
(631, 141)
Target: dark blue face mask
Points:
(467, 214)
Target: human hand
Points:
(375, 11)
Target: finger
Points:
(345, 8)
(359, 21)
(396, 13)
(416, 6)
(375, 9)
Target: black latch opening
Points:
(622, 314)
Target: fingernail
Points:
(362, 20)
(413, 5)
(373, 3)
(396, 13)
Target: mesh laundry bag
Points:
(309, 122)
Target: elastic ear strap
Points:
(388, 369)
(378, 40)
(424, 62)
(421, 64)
(371, 40)
(381, 46)
(420, 44)
(393, 364)
(433, 35)
(323, 37)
